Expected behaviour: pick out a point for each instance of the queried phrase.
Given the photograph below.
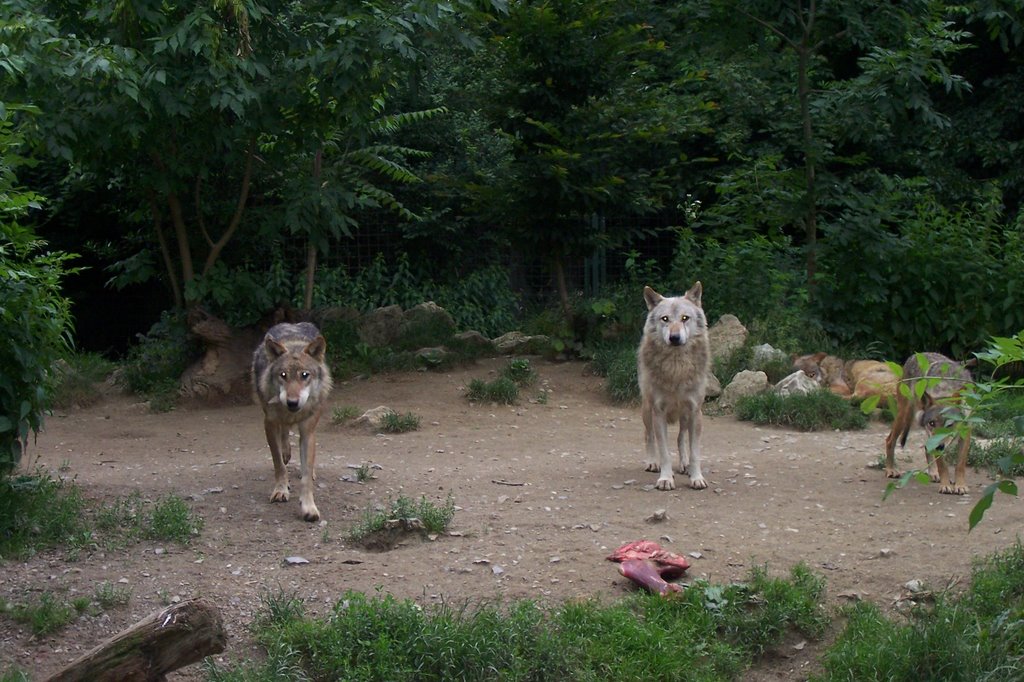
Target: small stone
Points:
(296, 560)
(914, 586)
(658, 516)
(885, 553)
(497, 570)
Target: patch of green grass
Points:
(520, 371)
(173, 520)
(109, 595)
(1000, 456)
(344, 413)
(393, 422)
(618, 365)
(403, 515)
(37, 512)
(120, 519)
(81, 604)
(812, 412)
(978, 635)
(45, 614)
(707, 632)
(14, 675)
(502, 390)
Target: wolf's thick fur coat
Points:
(291, 381)
(673, 363)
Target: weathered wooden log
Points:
(177, 636)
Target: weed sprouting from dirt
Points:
(393, 422)
(380, 528)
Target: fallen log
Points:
(177, 636)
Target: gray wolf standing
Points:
(291, 382)
(937, 402)
(673, 363)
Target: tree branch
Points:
(165, 251)
(236, 219)
(197, 192)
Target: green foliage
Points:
(968, 637)
(172, 519)
(730, 271)
(811, 412)
(38, 512)
(399, 516)
(520, 371)
(34, 315)
(393, 422)
(501, 390)
(154, 366)
(911, 307)
(617, 363)
(726, 628)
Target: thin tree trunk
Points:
(165, 253)
(181, 235)
(236, 219)
(563, 289)
(307, 300)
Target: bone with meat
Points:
(648, 564)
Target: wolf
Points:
(828, 370)
(673, 364)
(939, 401)
(291, 382)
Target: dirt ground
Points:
(544, 491)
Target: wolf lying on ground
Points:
(291, 381)
(673, 363)
(851, 378)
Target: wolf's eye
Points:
(684, 318)
(284, 375)
(305, 375)
(664, 318)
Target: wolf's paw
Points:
(698, 483)
(934, 475)
(665, 484)
(950, 489)
(286, 456)
(310, 513)
(279, 495)
(652, 466)
(892, 473)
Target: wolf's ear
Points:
(276, 348)
(926, 401)
(652, 297)
(818, 357)
(316, 348)
(695, 292)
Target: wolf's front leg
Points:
(696, 429)
(307, 464)
(665, 481)
(277, 439)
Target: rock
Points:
(429, 322)
(714, 388)
(745, 383)
(914, 586)
(472, 341)
(381, 327)
(374, 416)
(797, 383)
(296, 560)
(518, 343)
(726, 336)
(658, 516)
(765, 354)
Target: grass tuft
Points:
(37, 512)
(812, 412)
(379, 527)
(173, 520)
(502, 390)
(393, 422)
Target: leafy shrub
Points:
(520, 371)
(811, 412)
(172, 519)
(154, 366)
(618, 365)
(403, 515)
(76, 378)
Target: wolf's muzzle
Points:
(293, 405)
(675, 339)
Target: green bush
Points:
(617, 364)
(502, 390)
(154, 366)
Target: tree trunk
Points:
(307, 301)
(563, 289)
(177, 636)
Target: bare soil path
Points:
(544, 491)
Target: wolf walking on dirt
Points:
(673, 363)
(291, 381)
(945, 379)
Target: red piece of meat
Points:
(648, 564)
